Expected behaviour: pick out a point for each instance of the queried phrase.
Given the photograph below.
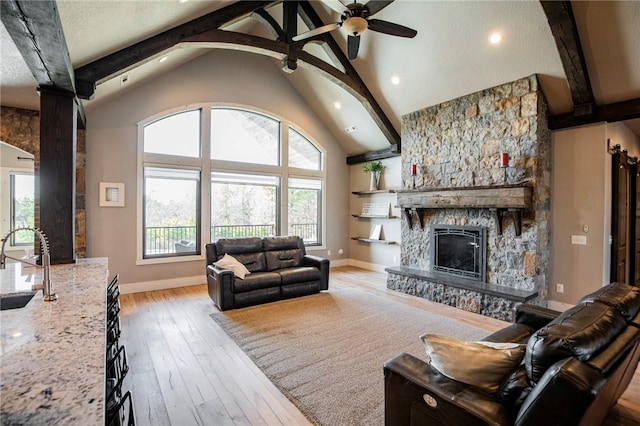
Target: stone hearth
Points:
(457, 145)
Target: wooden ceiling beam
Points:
(392, 151)
(565, 32)
(99, 70)
(222, 39)
(267, 20)
(618, 111)
(312, 20)
(36, 30)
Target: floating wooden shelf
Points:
(369, 240)
(378, 191)
(360, 216)
(503, 200)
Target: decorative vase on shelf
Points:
(374, 169)
(374, 182)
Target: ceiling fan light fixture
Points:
(355, 25)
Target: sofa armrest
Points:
(534, 316)
(323, 265)
(219, 284)
(564, 396)
(411, 383)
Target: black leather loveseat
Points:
(279, 269)
(575, 367)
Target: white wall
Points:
(221, 76)
(375, 256)
(581, 196)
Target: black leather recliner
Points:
(576, 366)
(279, 266)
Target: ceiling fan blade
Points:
(317, 31)
(391, 28)
(353, 44)
(336, 5)
(376, 6)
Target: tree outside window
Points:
(22, 208)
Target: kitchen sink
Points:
(13, 301)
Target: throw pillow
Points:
(230, 262)
(482, 364)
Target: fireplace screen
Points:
(459, 251)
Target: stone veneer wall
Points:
(21, 128)
(458, 144)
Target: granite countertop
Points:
(52, 354)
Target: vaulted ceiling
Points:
(451, 56)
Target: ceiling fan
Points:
(356, 21)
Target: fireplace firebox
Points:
(459, 251)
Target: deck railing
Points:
(182, 239)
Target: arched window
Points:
(266, 178)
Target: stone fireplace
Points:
(461, 186)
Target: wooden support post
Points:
(58, 119)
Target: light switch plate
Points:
(579, 239)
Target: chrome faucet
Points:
(46, 286)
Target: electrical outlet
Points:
(395, 259)
(328, 252)
(560, 288)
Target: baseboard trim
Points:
(339, 262)
(143, 286)
(368, 266)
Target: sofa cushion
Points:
(255, 262)
(299, 274)
(580, 332)
(482, 364)
(514, 389)
(281, 243)
(623, 297)
(235, 246)
(230, 262)
(279, 259)
(257, 281)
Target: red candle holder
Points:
(504, 159)
(414, 169)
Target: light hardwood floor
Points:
(184, 370)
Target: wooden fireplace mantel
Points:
(503, 199)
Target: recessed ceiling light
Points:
(337, 105)
(164, 58)
(182, 1)
(395, 80)
(495, 38)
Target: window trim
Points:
(200, 248)
(12, 212)
(206, 166)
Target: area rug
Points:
(325, 352)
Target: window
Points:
(178, 134)
(171, 212)
(22, 208)
(266, 178)
(305, 197)
(244, 136)
(243, 205)
(302, 153)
